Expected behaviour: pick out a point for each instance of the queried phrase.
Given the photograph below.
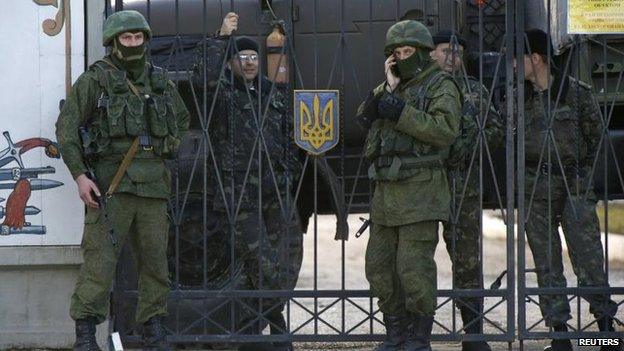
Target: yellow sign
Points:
(595, 16)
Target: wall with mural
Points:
(43, 53)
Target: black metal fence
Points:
(217, 298)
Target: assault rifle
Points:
(88, 155)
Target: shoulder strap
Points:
(132, 87)
(127, 160)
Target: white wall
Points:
(33, 82)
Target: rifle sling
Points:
(125, 163)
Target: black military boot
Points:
(85, 335)
(154, 335)
(419, 333)
(606, 324)
(278, 326)
(395, 333)
(560, 344)
(471, 318)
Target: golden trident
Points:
(316, 128)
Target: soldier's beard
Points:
(411, 66)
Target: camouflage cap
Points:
(124, 21)
(408, 32)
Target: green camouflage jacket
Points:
(576, 124)
(427, 126)
(158, 111)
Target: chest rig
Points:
(126, 112)
(395, 155)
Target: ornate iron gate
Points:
(594, 62)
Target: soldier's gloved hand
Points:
(390, 107)
(368, 113)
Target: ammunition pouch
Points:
(127, 115)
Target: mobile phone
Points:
(395, 69)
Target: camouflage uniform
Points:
(407, 149)
(267, 234)
(102, 99)
(462, 234)
(576, 130)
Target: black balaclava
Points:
(411, 66)
(131, 59)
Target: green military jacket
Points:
(493, 129)
(102, 99)
(424, 131)
(576, 127)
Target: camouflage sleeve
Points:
(292, 152)
(494, 127)
(209, 61)
(182, 116)
(590, 123)
(439, 124)
(79, 105)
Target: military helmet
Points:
(124, 21)
(408, 32)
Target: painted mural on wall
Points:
(20, 181)
(39, 201)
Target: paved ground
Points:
(329, 274)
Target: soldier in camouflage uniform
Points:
(257, 173)
(413, 118)
(559, 187)
(462, 235)
(119, 99)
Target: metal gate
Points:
(595, 60)
(339, 45)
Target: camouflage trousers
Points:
(401, 269)
(578, 219)
(270, 247)
(144, 222)
(462, 238)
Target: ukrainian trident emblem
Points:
(316, 120)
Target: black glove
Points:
(390, 106)
(369, 112)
